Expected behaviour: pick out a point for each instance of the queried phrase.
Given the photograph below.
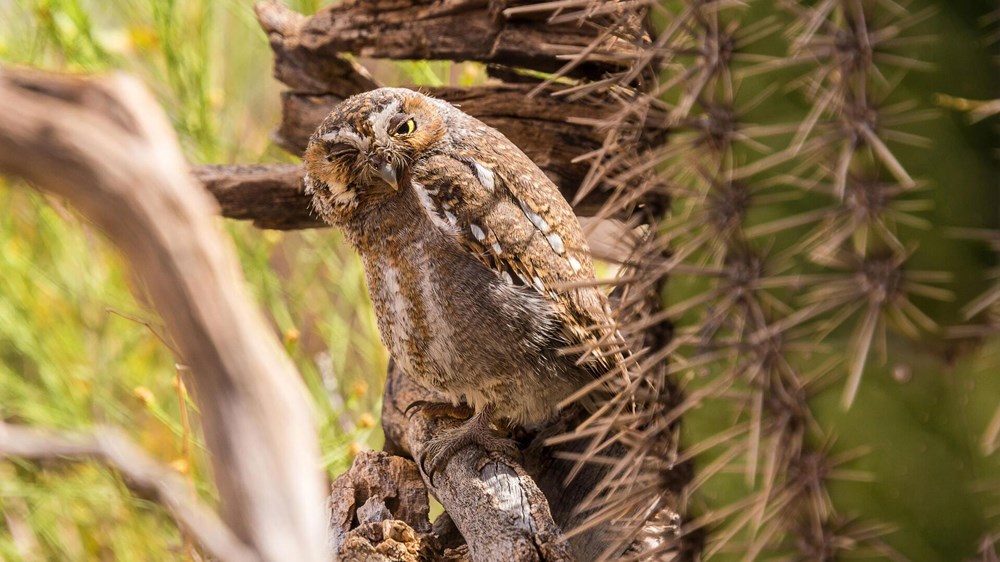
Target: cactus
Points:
(815, 290)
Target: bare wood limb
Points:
(273, 196)
(142, 474)
(500, 511)
(296, 63)
(107, 147)
(494, 502)
(453, 30)
(501, 106)
(270, 195)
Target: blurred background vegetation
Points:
(79, 345)
(78, 348)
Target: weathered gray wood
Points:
(478, 30)
(491, 499)
(271, 195)
(377, 507)
(107, 147)
(140, 472)
(496, 505)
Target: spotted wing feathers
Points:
(506, 212)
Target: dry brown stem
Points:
(270, 195)
(141, 473)
(106, 146)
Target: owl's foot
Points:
(477, 430)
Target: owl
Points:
(482, 282)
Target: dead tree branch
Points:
(380, 504)
(107, 147)
(521, 503)
(454, 30)
(142, 474)
(555, 132)
(271, 195)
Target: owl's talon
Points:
(475, 431)
(417, 405)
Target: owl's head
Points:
(362, 152)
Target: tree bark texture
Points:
(500, 32)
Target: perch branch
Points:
(106, 146)
(271, 195)
(142, 474)
(494, 502)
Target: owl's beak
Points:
(385, 169)
(388, 173)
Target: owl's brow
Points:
(380, 121)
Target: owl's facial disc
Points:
(363, 151)
(331, 160)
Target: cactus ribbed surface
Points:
(825, 263)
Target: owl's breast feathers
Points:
(506, 212)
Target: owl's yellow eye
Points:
(407, 127)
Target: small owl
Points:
(480, 276)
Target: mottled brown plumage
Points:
(476, 264)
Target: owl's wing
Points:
(508, 214)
